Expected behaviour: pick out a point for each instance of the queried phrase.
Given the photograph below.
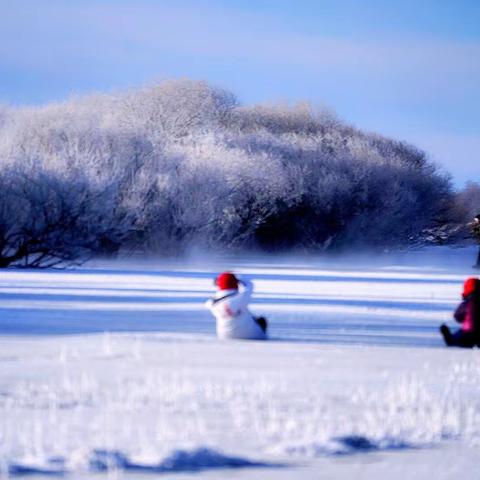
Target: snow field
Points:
(355, 366)
(143, 397)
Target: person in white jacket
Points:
(229, 305)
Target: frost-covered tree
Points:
(172, 110)
(44, 220)
(180, 163)
(467, 202)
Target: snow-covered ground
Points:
(115, 368)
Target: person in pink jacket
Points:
(229, 306)
(468, 315)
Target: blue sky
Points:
(407, 69)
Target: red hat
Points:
(471, 285)
(226, 281)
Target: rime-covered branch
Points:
(181, 163)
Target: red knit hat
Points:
(471, 285)
(226, 281)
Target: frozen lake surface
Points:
(115, 368)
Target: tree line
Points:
(181, 163)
